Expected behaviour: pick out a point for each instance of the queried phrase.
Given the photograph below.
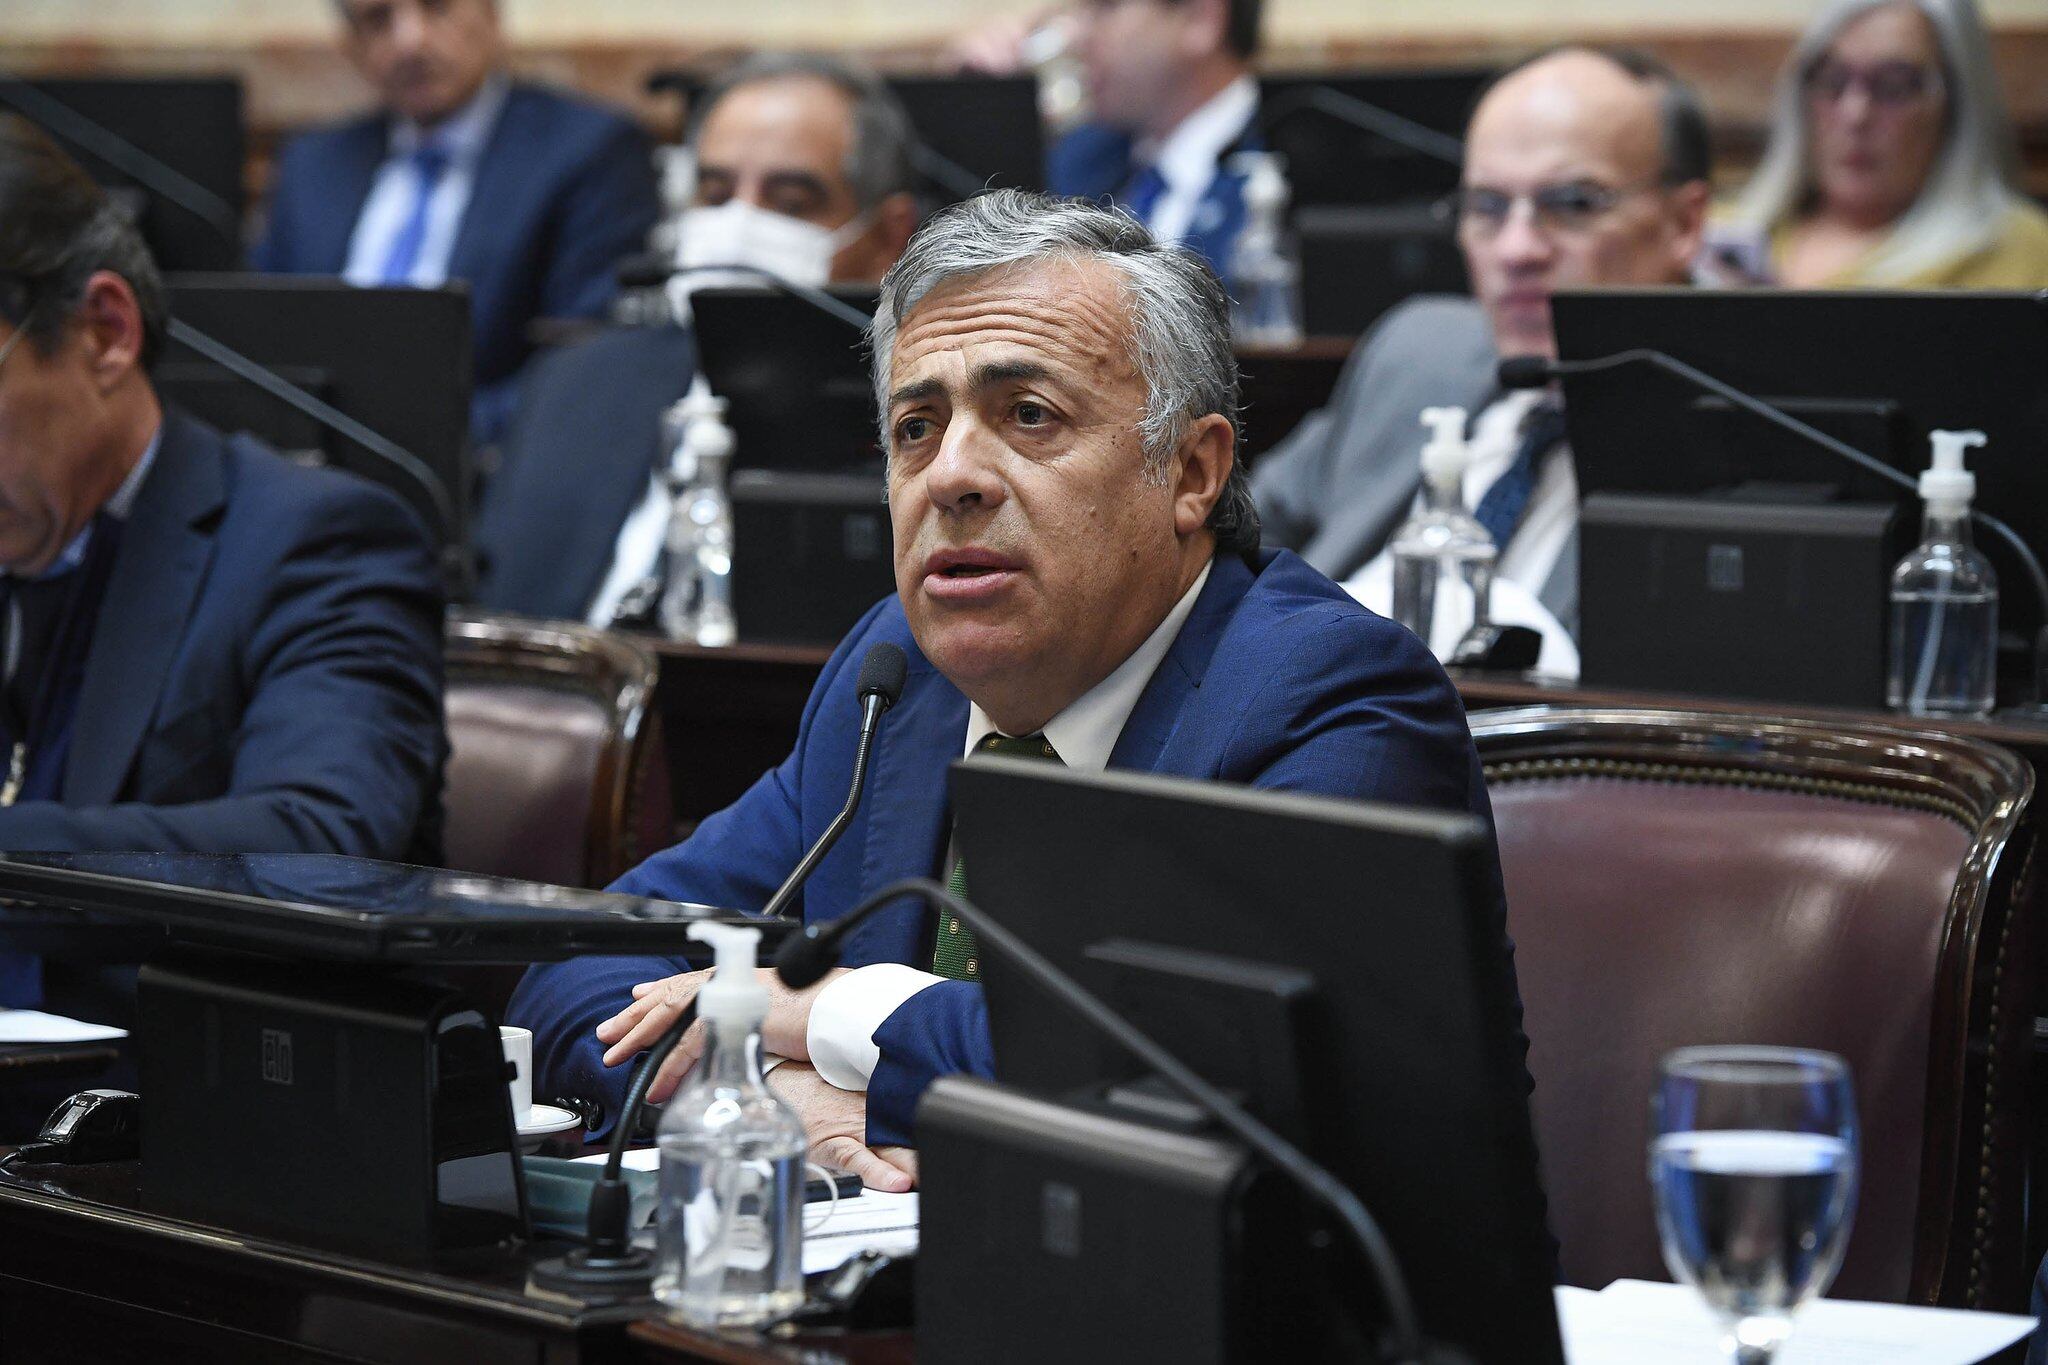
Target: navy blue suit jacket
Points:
(1094, 162)
(564, 190)
(1278, 679)
(265, 670)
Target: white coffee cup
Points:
(518, 1045)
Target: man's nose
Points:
(962, 476)
(408, 28)
(1522, 240)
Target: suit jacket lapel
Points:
(156, 576)
(497, 171)
(1164, 700)
(358, 156)
(907, 810)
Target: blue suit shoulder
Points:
(285, 502)
(576, 121)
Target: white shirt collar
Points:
(1188, 154)
(463, 133)
(118, 507)
(1086, 732)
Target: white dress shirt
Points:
(462, 135)
(846, 1013)
(1187, 156)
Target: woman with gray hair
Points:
(1888, 160)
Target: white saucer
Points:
(543, 1119)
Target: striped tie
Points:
(956, 955)
(428, 165)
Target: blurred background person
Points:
(529, 195)
(1171, 100)
(1889, 161)
(802, 169)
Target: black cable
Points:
(819, 944)
(1349, 109)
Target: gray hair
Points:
(880, 163)
(1967, 196)
(1180, 316)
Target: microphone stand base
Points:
(584, 1271)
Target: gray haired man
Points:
(1078, 576)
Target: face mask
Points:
(738, 233)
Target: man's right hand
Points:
(836, 1123)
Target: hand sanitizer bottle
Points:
(1442, 546)
(1264, 278)
(696, 602)
(1944, 635)
(730, 1232)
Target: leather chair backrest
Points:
(1663, 900)
(549, 751)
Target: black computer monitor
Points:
(395, 360)
(795, 378)
(1359, 260)
(188, 135)
(1331, 161)
(975, 132)
(1879, 370)
(1339, 964)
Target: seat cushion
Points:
(1653, 915)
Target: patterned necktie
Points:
(955, 955)
(429, 164)
(1500, 511)
(1142, 193)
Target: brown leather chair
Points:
(554, 769)
(1677, 878)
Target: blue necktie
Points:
(1142, 194)
(429, 164)
(1500, 511)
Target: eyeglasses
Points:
(1572, 207)
(1888, 85)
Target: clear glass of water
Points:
(1753, 1161)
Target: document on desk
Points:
(1632, 1321)
(34, 1026)
(871, 1219)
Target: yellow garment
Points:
(2017, 259)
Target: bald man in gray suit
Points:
(1582, 167)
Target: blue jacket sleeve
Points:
(941, 1030)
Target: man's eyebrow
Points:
(799, 182)
(917, 393)
(997, 372)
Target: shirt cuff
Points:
(844, 1017)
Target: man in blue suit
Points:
(1078, 577)
(206, 647)
(529, 196)
(1171, 99)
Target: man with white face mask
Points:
(803, 170)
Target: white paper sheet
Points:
(1632, 1321)
(34, 1026)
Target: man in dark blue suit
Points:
(1078, 576)
(1171, 100)
(529, 196)
(206, 648)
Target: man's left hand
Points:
(634, 1029)
(836, 1124)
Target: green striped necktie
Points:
(955, 955)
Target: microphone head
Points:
(882, 673)
(1526, 372)
(803, 959)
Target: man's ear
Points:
(1207, 454)
(895, 221)
(1205, 27)
(110, 319)
(1689, 206)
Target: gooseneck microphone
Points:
(803, 959)
(654, 268)
(608, 1260)
(880, 683)
(1365, 116)
(1534, 372)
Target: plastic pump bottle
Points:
(696, 602)
(1442, 544)
(1944, 596)
(730, 1237)
(1264, 277)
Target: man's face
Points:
(1878, 112)
(782, 145)
(1134, 54)
(1562, 190)
(425, 58)
(1032, 551)
(48, 407)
